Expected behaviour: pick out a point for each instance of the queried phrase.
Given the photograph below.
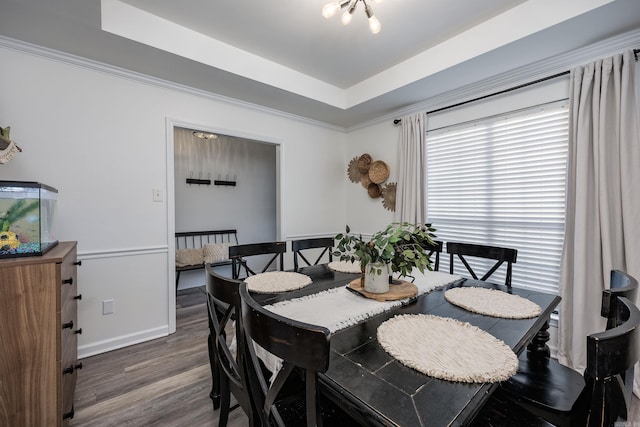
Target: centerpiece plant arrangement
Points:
(401, 247)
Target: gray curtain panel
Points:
(410, 193)
(602, 229)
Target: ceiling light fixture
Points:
(330, 9)
(204, 135)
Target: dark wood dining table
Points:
(376, 389)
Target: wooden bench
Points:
(197, 240)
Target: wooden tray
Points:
(396, 292)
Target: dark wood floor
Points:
(164, 382)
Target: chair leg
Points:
(215, 375)
(225, 402)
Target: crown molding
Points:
(79, 61)
(531, 72)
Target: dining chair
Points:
(324, 243)
(435, 249)
(259, 252)
(228, 367)
(544, 387)
(621, 284)
(304, 351)
(496, 253)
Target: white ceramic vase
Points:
(376, 283)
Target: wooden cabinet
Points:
(39, 338)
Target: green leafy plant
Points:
(16, 211)
(404, 246)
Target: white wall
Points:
(364, 214)
(100, 138)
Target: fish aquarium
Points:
(27, 217)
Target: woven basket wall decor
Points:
(363, 163)
(372, 175)
(374, 190)
(389, 196)
(378, 172)
(352, 170)
(365, 181)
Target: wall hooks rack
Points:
(228, 182)
(198, 181)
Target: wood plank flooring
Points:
(164, 382)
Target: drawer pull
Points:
(69, 415)
(78, 331)
(78, 297)
(68, 281)
(68, 325)
(71, 368)
(78, 262)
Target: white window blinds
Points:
(501, 181)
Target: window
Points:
(501, 181)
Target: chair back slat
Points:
(435, 249)
(499, 254)
(297, 246)
(300, 345)
(239, 253)
(620, 285)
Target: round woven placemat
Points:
(492, 302)
(447, 349)
(345, 266)
(273, 282)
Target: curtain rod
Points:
(397, 121)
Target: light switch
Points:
(157, 195)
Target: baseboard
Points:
(122, 341)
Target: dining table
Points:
(378, 390)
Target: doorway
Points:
(247, 197)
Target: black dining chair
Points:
(547, 389)
(621, 284)
(496, 253)
(273, 252)
(228, 367)
(304, 351)
(435, 250)
(298, 246)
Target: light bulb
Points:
(330, 9)
(374, 25)
(346, 18)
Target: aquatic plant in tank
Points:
(27, 216)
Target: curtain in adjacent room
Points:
(603, 198)
(410, 193)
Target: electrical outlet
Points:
(108, 306)
(157, 195)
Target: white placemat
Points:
(273, 282)
(345, 266)
(338, 308)
(447, 348)
(493, 302)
